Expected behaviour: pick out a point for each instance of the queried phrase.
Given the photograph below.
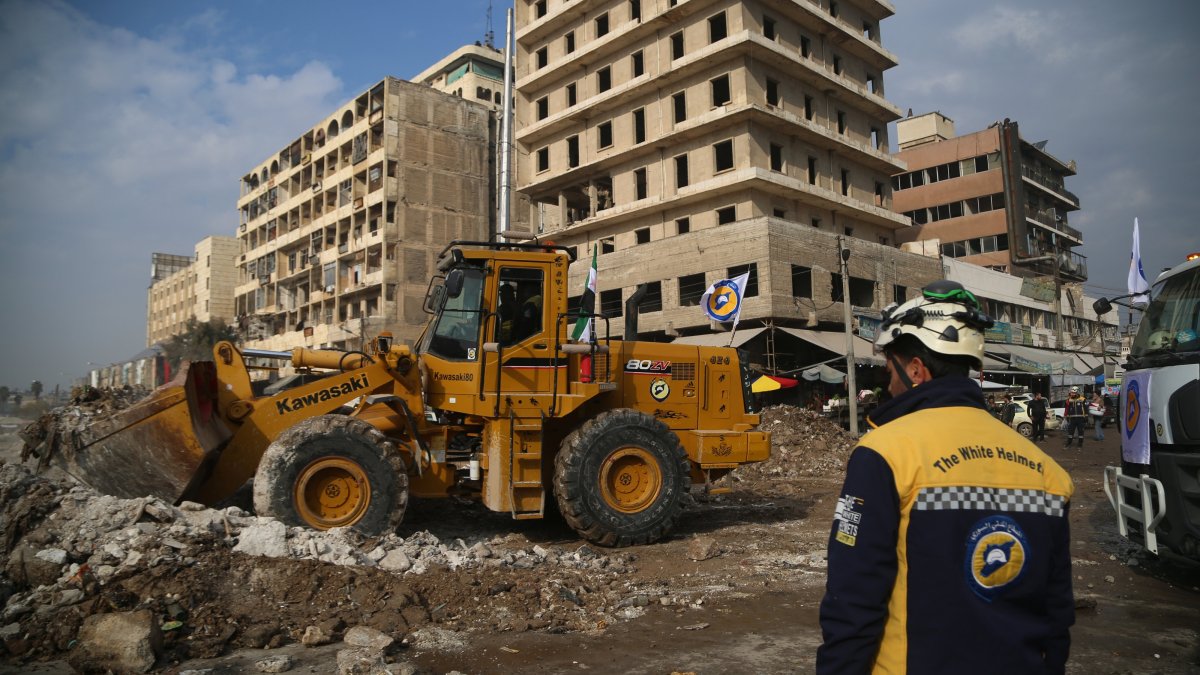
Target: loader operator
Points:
(949, 550)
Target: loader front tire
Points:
(620, 479)
(333, 471)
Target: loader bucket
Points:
(159, 446)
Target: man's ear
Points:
(917, 371)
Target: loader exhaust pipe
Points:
(631, 312)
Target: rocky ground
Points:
(89, 579)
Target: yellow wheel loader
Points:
(494, 402)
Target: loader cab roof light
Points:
(1193, 256)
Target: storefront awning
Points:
(772, 383)
(823, 373)
(864, 351)
(720, 339)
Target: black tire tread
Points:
(571, 492)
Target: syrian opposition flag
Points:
(587, 305)
(1138, 286)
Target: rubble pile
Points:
(803, 444)
(215, 580)
(63, 426)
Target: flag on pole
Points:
(723, 300)
(1138, 286)
(587, 305)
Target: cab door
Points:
(519, 363)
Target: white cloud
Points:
(1001, 26)
(112, 146)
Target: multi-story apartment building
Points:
(474, 72)
(199, 286)
(989, 197)
(694, 140)
(340, 229)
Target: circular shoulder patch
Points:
(996, 551)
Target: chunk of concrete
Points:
(267, 538)
(315, 636)
(703, 548)
(368, 638)
(396, 561)
(274, 664)
(127, 642)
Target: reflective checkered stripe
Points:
(954, 498)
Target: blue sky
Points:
(124, 127)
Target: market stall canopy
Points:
(824, 373)
(864, 350)
(772, 383)
(720, 339)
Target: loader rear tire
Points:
(620, 479)
(333, 471)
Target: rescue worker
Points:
(1076, 414)
(949, 550)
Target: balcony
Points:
(1040, 256)
(1048, 182)
(1047, 218)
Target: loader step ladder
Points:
(1151, 510)
(525, 468)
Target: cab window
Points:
(520, 304)
(456, 335)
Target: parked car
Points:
(1024, 425)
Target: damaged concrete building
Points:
(695, 141)
(339, 229)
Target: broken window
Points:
(604, 79)
(571, 95)
(637, 63)
(359, 152)
(801, 281)
(723, 156)
(679, 103)
(610, 303)
(543, 108)
(772, 93)
(717, 28)
(642, 233)
(726, 215)
(681, 171)
(604, 135)
(769, 28)
(677, 46)
(570, 42)
(812, 170)
(601, 24)
(683, 225)
(543, 57)
(573, 152)
(691, 289)
(543, 159)
(652, 300)
(639, 125)
(720, 90)
(776, 157)
(639, 189)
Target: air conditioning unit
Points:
(358, 203)
(329, 289)
(306, 159)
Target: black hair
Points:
(908, 347)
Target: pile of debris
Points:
(63, 427)
(803, 444)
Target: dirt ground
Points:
(734, 588)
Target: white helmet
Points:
(1074, 390)
(946, 319)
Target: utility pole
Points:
(843, 257)
(1058, 337)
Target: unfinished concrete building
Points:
(693, 141)
(183, 287)
(341, 227)
(474, 72)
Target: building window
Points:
(677, 46)
(726, 215)
(573, 152)
(751, 283)
(878, 193)
(815, 222)
(720, 90)
(723, 156)
(610, 303)
(808, 108)
(717, 28)
(639, 125)
(543, 159)
(899, 294)
(779, 213)
(639, 190)
(543, 108)
(602, 25)
(845, 183)
(801, 282)
(769, 28)
(572, 99)
(652, 300)
(638, 64)
(871, 84)
(681, 171)
(635, 10)
(543, 57)
(679, 103)
(834, 10)
(683, 225)
(841, 122)
(691, 289)
(604, 79)
(835, 287)
(570, 42)
(539, 9)
(772, 92)
(837, 65)
(642, 233)
(805, 46)
(812, 170)
(604, 135)
(876, 139)
(776, 157)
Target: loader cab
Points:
(490, 346)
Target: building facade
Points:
(340, 229)
(199, 286)
(990, 198)
(693, 141)
(474, 72)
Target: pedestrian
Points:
(1008, 410)
(1076, 414)
(949, 550)
(1037, 415)
(1096, 411)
